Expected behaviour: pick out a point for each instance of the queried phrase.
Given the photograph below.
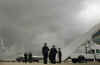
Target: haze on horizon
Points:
(26, 24)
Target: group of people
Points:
(28, 57)
(51, 54)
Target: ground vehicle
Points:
(34, 59)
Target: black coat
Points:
(59, 54)
(45, 50)
(53, 52)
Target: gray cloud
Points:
(27, 24)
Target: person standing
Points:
(30, 57)
(45, 51)
(52, 54)
(59, 55)
(25, 57)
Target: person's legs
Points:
(54, 60)
(45, 60)
(30, 60)
(25, 60)
(59, 59)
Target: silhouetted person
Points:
(25, 57)
(45, 50)
(59, 55)
(52, 54)
(30, 57)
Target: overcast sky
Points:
(26, 24)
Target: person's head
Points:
(53, 46)
(59, 49)
(45, 44)
(25, 53)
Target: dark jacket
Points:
(45, 50)
(53, 52)
(59, 54)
